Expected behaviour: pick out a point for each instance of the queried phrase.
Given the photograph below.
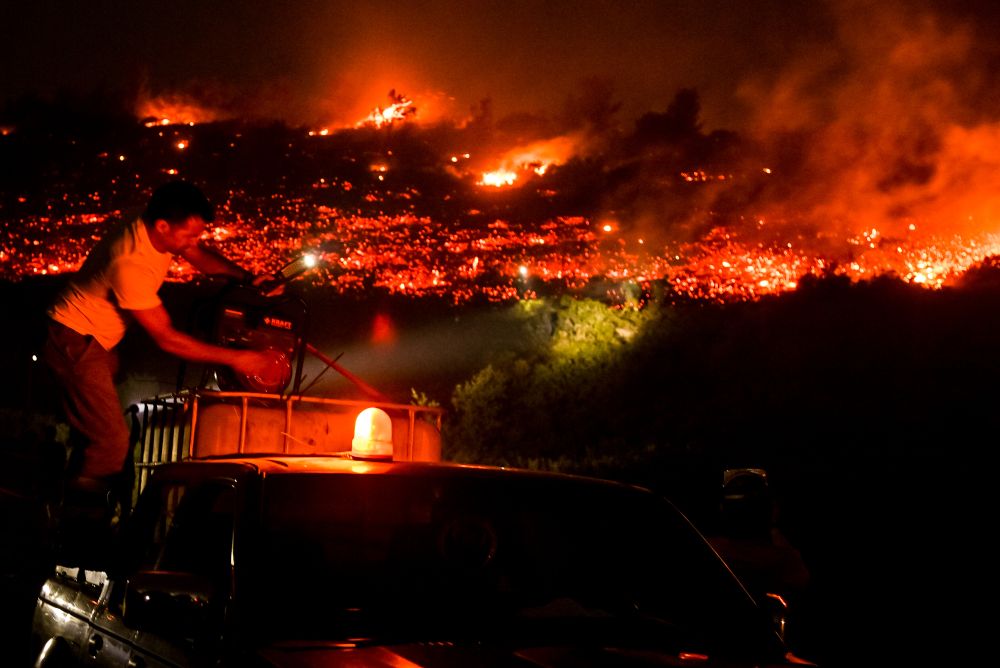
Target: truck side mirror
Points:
(777, 608)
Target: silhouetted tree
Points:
(680, 121)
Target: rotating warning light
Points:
(372, 435)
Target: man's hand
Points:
(269, 366)
(270, 285)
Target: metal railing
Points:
(165, 428)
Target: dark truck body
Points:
(284, 560)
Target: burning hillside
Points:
(502, 209)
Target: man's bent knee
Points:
(106, 456)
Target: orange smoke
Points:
(885, 129)
(174, 109)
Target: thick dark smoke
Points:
(885, 126)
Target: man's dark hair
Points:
(176, 201)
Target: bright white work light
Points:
(298, 266)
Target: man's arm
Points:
(209, 261)
(156, 321)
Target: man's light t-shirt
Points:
(123, 272)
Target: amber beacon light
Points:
(372, 435)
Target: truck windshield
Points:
(393, 558)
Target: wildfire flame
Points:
(401, 108)
(535, 159)
(498, 178)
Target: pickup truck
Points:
(331, 560)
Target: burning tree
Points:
(400, 109)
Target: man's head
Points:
(175, 202)
(176, 215)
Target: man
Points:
(117, 284)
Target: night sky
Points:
(315, 61)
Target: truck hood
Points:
(450, 655)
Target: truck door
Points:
(177, 593)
